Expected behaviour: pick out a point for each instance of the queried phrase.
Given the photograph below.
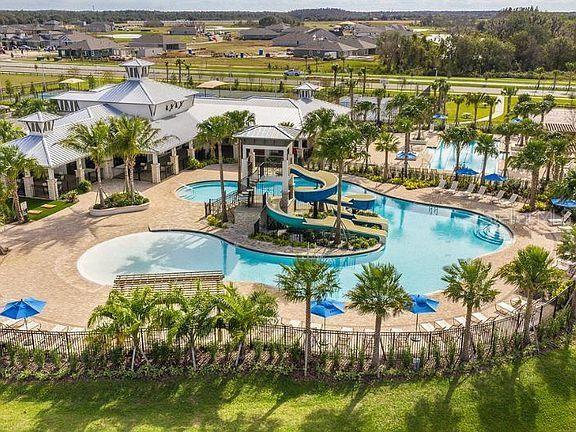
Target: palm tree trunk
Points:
(385, 165)
(222, 189)
(484, 161)
(506, 154)
(338, 236)
(458, 149)
(376, 348)
(533, 189)
(475, 115)
(100, 187)
(239, 144)
(406, 151)
(16, 203)
(367, 155)
(457, 113)
(465, 354)
(133, 357)
(240, 347)
(308, 341)
(528, 317)
(126, 176)
(490, 116)
(193, 353)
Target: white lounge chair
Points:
(292, 323)
(460, 321)
(469, 191)
(396, 330)
(427, 327)
(506, 308)
(498, 197)
(443, 324)
(59, 328)
(9, 322)
(510, 201)
(480, 317)
(316, 326)
(453, 188)
(561, 220)
(479, 194)
(346, 329)
(441, 185)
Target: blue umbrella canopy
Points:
(409, 156)
(422, 304)
(516, 120)
(566, 203)
(494, 177)
(439, 116)
(466, 171)
(23, 308)
(327, 308)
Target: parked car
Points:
(292, 72)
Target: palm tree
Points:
(532, 273)
(486, 147)
(240, 314)
(94, 142)
(443, 88)
(458, 137)
(532, 158)
(491, 101)
(566, 249)
(335, 69)
(127, 316)
(507, 130)
(131, 136)
(363, 74)
(458, 100)
(189, 317)
(475, 99)
(404, 125)
(386, 142)
(364, 107)
(180, 62)
(9, 131)
(543, 107)
(509, 93)
(571, 69)
(469, 282)
(31, 105)
(540, 72)
(239, 120)
(337, 146)
(379, 292)
(351, 84)
(306, 280)
(318, 122)
(379, 93)
(215, 130)
(369, 132)
(12, 164)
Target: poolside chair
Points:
(59, 328)
(479, 194)
(497, 197)
(481, 318)
(469, 191)
(427, 327)
(441, 185)
(561, 220)
(459, 321)
(505, 308)
(442, 324)
(316, 326)
(453, 188)
(294, 323)
(509, 202)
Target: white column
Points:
(155, 169)
(80, 174)
(108, 169)
(191, 150)
(252, 157)
(174, 161)
(244, 163)
(52, 185)
(285, 172)
(28, 184)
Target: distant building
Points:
(258, 33)
(188, 29)
(303, 36)
(99, 27)
(167, 43)
(91, 48)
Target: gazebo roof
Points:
(560, 127)
(276, 133)
(39, 117)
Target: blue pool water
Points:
(421, 240)
(444, 158)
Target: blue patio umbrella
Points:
(327, 308)
(421, 305)
(439, 116)
(566, 203)
(494, 177)
(25, 308)
(410, 156)
(466, 171)
(516, 120)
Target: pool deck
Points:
(44, 253)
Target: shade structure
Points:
(466, 171)
(421, 305)
(566, 203)
(327, 308)
(439, 116)
(23, 308)
(494, 177)
(410, 156)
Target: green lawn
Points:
(538, 395)
(36, 204)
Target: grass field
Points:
(36, 204)
(18, 79)
(537, 395)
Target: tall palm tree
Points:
(443, 88)
(318, 122)
(369, 132)
(509, 93)
(532, 158)
(351, 84)
(380, 94)
(475, 99)
(405, 125)
(240, 314)
(335, 69)
(571, 68)
(130, 137)
(364, 108)
(215, 130)
(469, 282)
(540, 72)
(127, 316)
(239, 120)
(491, 101)
(306, 280)
(363, 72)
(486, 147)
(12, 164)
(458, 137)
(180, 62)
(458, 99)
(507, 130)
(532, 273)
(94, 142)
(337, 146)
(378, 292)
(9, 131)
(386, 142)
(546, 105)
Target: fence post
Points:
(492, 338)
(67, 344)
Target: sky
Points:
(285, 5)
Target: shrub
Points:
(215, 221)
(122, 199)
(194, 164)
(84, 186)
(70, 196)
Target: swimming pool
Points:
(444, 158)
(421, 240)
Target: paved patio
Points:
(43, 259)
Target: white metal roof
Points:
(39, 117)
(276, 132)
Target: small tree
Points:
(369, 132)
(531, 158)
(306, 280)
(469, 282)
(475, 99)
(386, 142)
(9, 131)
(458, 100)
(239, 120)
(532, 273)
(379, 292)
(507, 130)
(458, 137)
(486, 147)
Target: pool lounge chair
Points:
(561, 220)
(504, 308)
(453, 188)
(427, 327)
(468, 191)
(498, 197)
(510, 201)
(443, 324)
(11, 323)
(441, 185)
(59, 328)
(479, 194)
(294, 323)
(481, 318)
(459, 321)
